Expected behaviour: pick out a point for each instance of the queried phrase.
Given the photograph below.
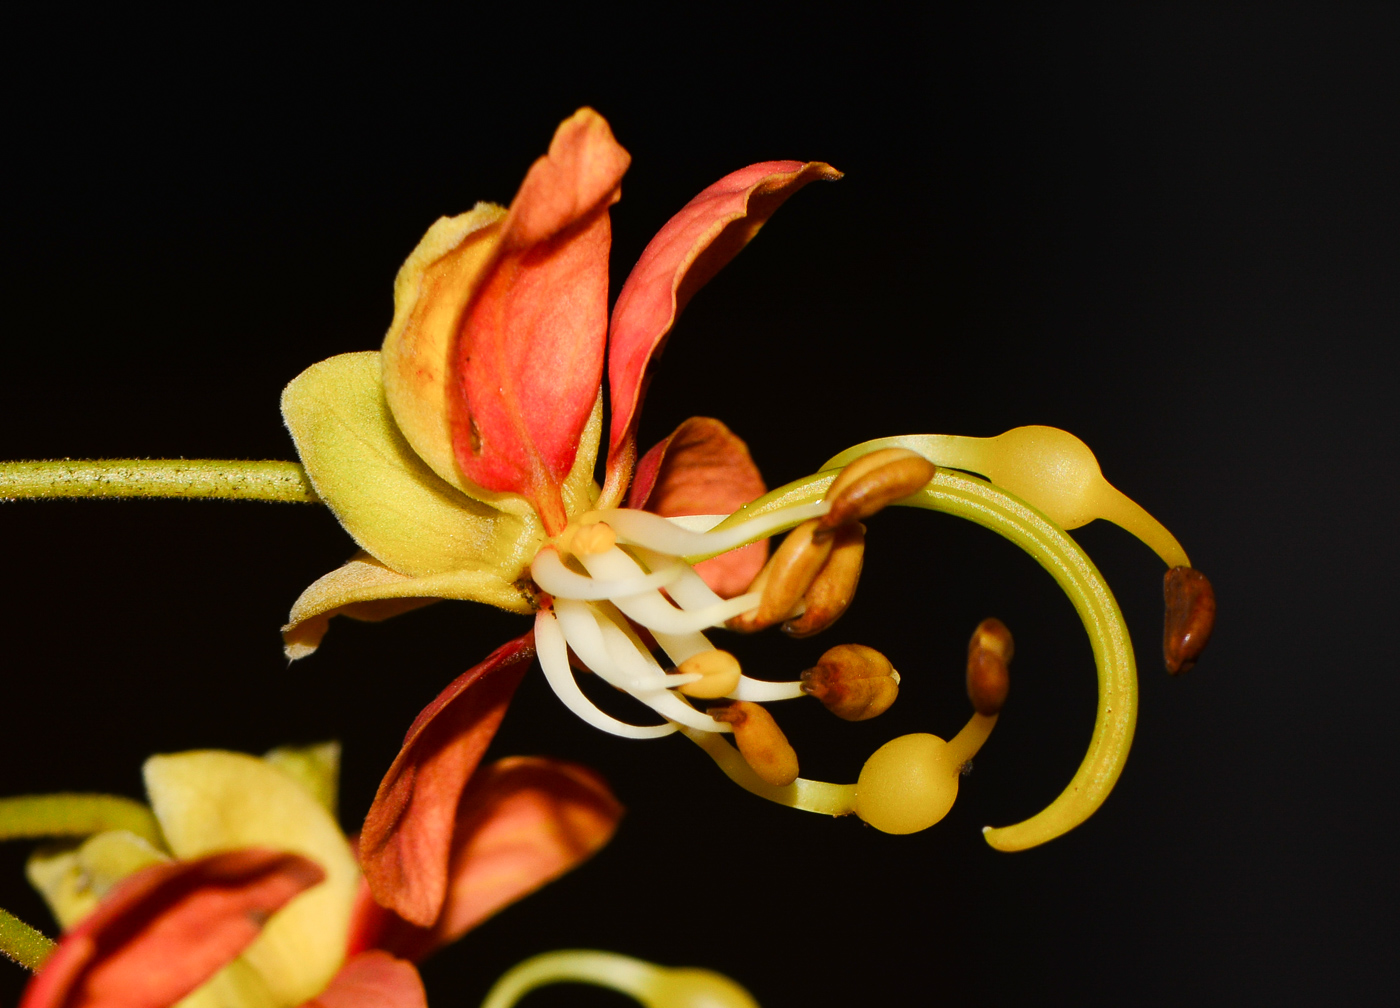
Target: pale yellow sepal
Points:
(387, 497)
(366, 589)
(314, 767)
(73, 879)
(209, 801)
(431, 293)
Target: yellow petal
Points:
(314, 767)
(210, 801)
(384, 494)
(431, 292)
(366, 589)
(73, 879)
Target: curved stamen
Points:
(655, 613)
(808, 795)
(762, 691)
(554, 660)
(645, 529)
(549, 573)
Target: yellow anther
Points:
(853, 681)
(720, 669)
(589, 540)
(988, 653)
(761, 742)
(834, 587)
(1190, 617)
(873, 482)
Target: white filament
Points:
(554, 660)
(761, 691)
(549, 573)
(646, 529)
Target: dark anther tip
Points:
(1190, 617)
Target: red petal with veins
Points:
(704, 468)
(522, 822)
(168, 929)
(373, 979)
(692, 247)
(406, 842)
(530, 354)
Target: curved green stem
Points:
(27, 817)
(602, 969)
(991, 507)
(199, 478)
(22, 943)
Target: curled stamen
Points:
(834, 587)
(655, 532)
(549, 573)
(853, 681)
(761, 742)
(873, 482)
(786, 577)
(553, 653)
(654, 986)
(1190, 617)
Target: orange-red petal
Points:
(406, 842)
(523, 822)
(704, 468)
(373, 979)
(692, 247)
(529, 356)
(166, 930)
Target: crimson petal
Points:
(692, 247)
(529, 356)
(406, 842)
(704, 468)
(166, 930)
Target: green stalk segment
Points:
(23, 944)
(29, 817)
(214, 479)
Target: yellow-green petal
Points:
(210, 800)
(385, 495)
(314, 767)
(72, 879)
(366, 589)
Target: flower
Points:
(236, 889)
(461, 456)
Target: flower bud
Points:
(853, 681)
(1190, 617)
(761, 742)
(720, 669)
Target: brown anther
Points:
(988, 653)
(786, 577)
(761, 742)
(853, 681)
(872, 482)
(720, 669)
(590, 540)
(834, 586)
(1190, 617)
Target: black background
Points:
(1168, 229)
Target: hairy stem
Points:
(22, 943)
(204, 478)
(75, 815)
